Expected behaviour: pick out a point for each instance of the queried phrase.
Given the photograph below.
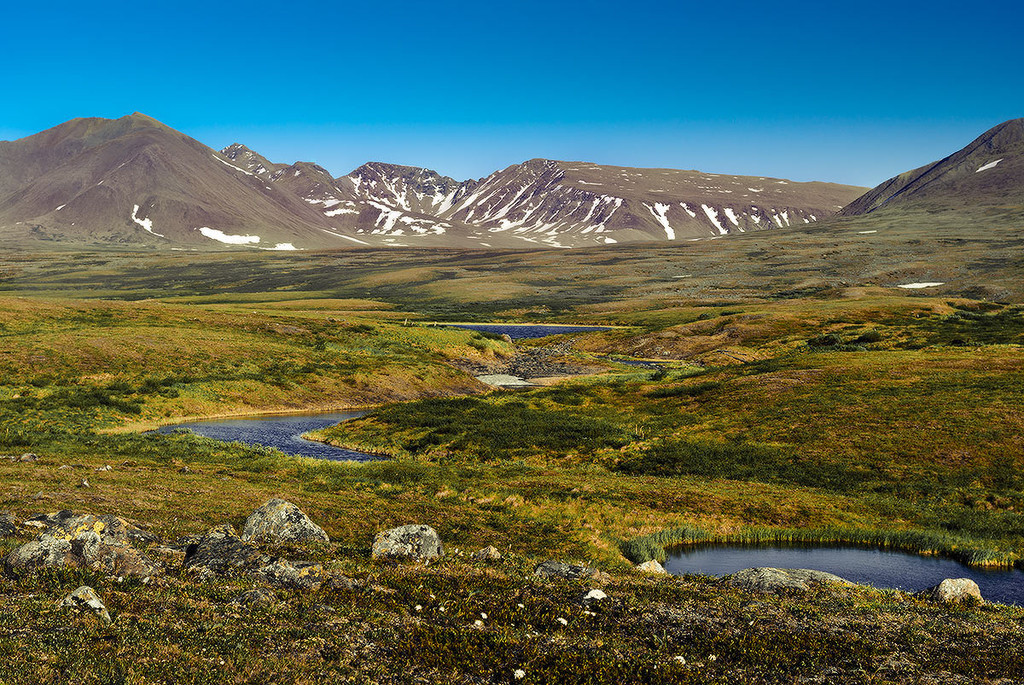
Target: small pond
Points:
(522, 331)
(880, 568)
(283, 432)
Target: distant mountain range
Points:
(135, 182)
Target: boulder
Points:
(255, 597)
(86, 599)
(68, 524)
(279, 521)
(489, 553)
(414, 542)
(84, 541)
(221, 551)
(652, 567)
(954, 591)
(775, 579)
(559, 569)
(300, 575)
(8, 526)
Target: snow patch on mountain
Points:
(147, 224)
(660, 212)
(221, 236)
(712, 215)
(990, 165)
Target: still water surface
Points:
(522, 331)
(882, 569)
(283, 432)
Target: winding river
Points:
(283, 431)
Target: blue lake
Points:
(522, 331)
(880, 568)
(283, 432)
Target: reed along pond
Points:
(879, 568)
(283, 432)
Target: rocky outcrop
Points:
(222, 551)
(775, 579)
(412, 542)
(954, 591)
(558, 569)
(279, 521)
(86, 599)
(84, 541)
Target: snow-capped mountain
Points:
(136, 182)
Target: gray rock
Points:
(774, 579)
(86, 599)
(8, 526)
(652, 567)
(68, 524)
(414, 542)
(954, 591)
(303, 576)
(279, 521)
(85, 541)
(559, 569)
(255, 597)
(489, 553)
(221, 551)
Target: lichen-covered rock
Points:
(221, 551)
(84, 541)
(489, 553)
(775, 579)
(67, 524)
(954, 591)
(414, 542)
(8, 526)
(255, 597)
(652, 567)
(281, 573)
(559, 569)
(85, 598)
(279, 521)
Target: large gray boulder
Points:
(775, 579)
(413, 542)
(954, 591)
(221, 551)
(83, 541)
(86, 599)
(279, 521)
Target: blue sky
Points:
(845, 92)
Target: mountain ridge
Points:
(134, 181)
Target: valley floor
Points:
(857, 414)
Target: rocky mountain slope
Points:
(988, 172)
(135, 182)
